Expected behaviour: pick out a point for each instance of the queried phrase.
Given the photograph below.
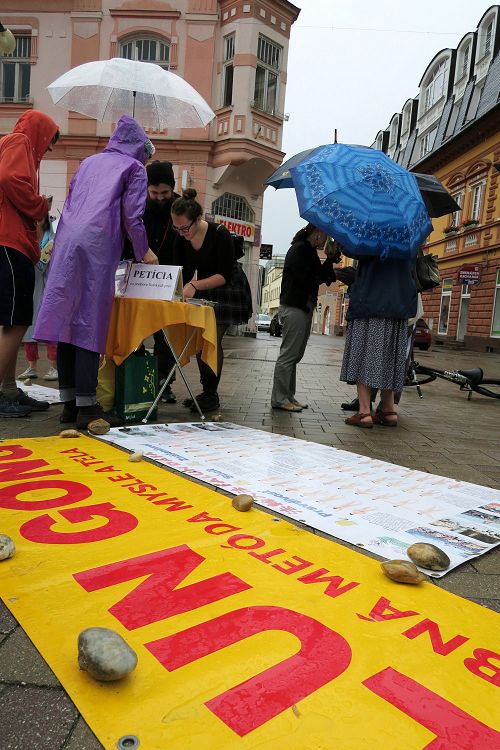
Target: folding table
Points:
(188, 329)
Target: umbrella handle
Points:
(134, 94)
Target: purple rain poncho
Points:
(106, 199)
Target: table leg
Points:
(177, 366)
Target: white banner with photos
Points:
(375, 505)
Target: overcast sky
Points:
(351, 66)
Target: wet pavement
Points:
(443, 433)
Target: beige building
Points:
(271, 287)
(233, 52)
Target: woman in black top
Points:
(210, 271)
(303, 272)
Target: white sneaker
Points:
(30, 373)
(52, 374)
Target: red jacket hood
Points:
(39, 128)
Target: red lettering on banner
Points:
(454, 729)
(121, 478)
(105, 470)
(173, 504)
(323, 656)
(202, 518)
(14, 451)
(74, 492)
(155, 598)
(265, 556)
(293, 567)
(438, 645)
(237, 540)
(335, 587)
(482, 662)
(17, 471)
(118, 522)
(383, 610)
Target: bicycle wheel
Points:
(419, 375)
(489, 388)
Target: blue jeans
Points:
(78, 373)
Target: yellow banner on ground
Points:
(250, 632)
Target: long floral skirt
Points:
(375, 353)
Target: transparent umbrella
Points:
(107, 89)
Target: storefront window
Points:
(444, 312)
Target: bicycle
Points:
(470, 381)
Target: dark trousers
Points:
(165, 357)
(78, 373)
(208, 379)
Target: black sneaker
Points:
(87, 414)
(12, 408)
(207, 402)
(34, 405)
(188, 402)
(350, 405)
(69, 412)
(168, 396)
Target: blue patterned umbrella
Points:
(363, 199)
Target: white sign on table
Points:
(144, 281)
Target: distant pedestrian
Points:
(303, 273)
(21, 207)
(31, 349)
(106, 201)
(210, 271)
(382, 299)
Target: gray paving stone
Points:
(35, 718)
(7, 621)
(82, 738)
(21, 662)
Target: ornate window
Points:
(15, 72)
(476, 201)
(228, 70)
(234, 207)
(146, 49)
(267, 73)
(434, 89)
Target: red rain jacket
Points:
(20, 204)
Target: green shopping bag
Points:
(136, 387)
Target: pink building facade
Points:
(233, 52)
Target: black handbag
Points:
(427, 272)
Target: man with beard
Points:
(161, 236)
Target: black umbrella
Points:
(437, 199)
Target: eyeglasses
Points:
(183, 230)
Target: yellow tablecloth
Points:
(133, 320)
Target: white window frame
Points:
(434, 89)
(229, 43)
(269, 57)
(496, 306)
(405, 125)
(446, 291)
(456, 215)
(465, 60)
(234, 207)
(488, 37)
(476, 201)
(162, 60)
(427, 142)
(20, 58)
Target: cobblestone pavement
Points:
(443, 433)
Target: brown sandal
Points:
(355, 420)
(381, 418)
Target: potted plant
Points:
(450, 229)
(468, 223)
